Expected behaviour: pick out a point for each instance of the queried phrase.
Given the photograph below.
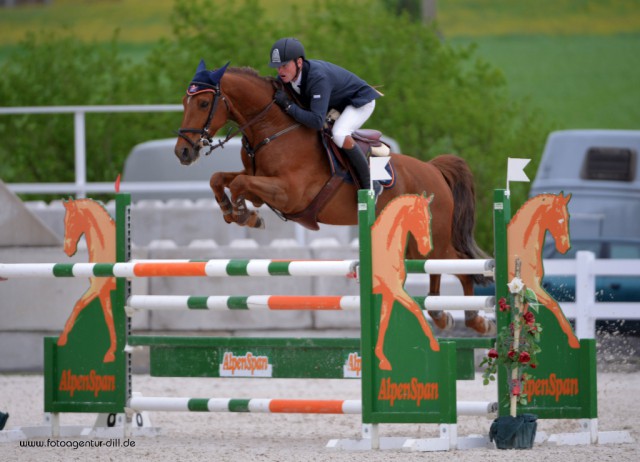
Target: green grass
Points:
(580, 81)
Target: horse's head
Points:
(202, 118)
(420, 223)
(73, 227)
(557, 221)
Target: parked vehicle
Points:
(600, 169)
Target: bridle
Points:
(206, 138)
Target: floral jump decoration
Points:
(516, 349)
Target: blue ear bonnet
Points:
(205, 80)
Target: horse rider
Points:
(322, 86)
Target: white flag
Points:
(515, 170)
(377, 167)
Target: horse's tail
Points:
(460, 180)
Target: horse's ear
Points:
(216, 75)
(201, 67)
(565, 199)
(428, 198)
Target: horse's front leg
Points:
(258, 189)
(218, 182)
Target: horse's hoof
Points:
(257, 222)
(574, 342)
(109, 357)
(444, 322)
(385, 365)
(482, 326)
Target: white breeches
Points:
(351, 119)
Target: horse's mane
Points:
(399, 207)
(250, 72)
(92, 206)
(526, 209)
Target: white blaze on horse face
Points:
(562, 240)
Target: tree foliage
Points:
(438, 98)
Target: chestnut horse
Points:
(525, 236)
(286, 167)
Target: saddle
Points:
(370, 143)
(368, 140)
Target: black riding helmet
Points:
(284, 50)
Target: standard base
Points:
(106, 426)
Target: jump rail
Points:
(295, 302)
(222, 268)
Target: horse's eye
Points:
(204, 104)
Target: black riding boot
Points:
(360, 166)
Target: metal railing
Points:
(80, 187)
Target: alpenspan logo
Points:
(352, 368)
(92, 382)
(415, 390)
(247, 365)
(552, 386)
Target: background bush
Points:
(438, 98)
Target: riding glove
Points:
(282, 100)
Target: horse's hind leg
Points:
(107, 310)
(385, 314)
(473, 319)
(411, 305)
(553, 306)
(80, 305)
(442, 319)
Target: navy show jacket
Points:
(326, 86)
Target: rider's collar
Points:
(295, 84)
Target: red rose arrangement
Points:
(517, 343)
